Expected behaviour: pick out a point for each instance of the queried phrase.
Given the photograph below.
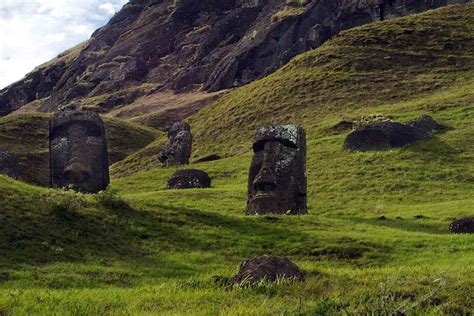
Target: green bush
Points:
(111, 199)
(63, 203)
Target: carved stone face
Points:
(78, 151)
(178, 148)
(277, 180)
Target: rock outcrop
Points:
(383, 136)
(426, 123)
(388, 134)
(189, 179)
(179, 45)
(462, 225)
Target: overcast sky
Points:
(35, 31)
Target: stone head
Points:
(178, 148)
(78, 151)
(277, 175)
(176, 128)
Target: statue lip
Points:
(264, 195)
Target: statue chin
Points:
(265, 203)
(81, 187)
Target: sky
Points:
(33, 32)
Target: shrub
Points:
(63, 203)
(111, 199)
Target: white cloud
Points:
(35, 31)
(107, 7)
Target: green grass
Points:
(375, 241)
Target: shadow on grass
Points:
(141, 238)
(411, 225)
(434, 149)
(230, 235)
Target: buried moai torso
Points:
(9, 164)
(78, 151)
(178, 148)
(277, 179)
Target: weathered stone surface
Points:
(178, 148)
(78, 151)
(426, 123)
(9, 164)
(462, 225)
(36, 85)
(110, 76)
(189, 179)
(267, 268)
(383, 136)
(260, 53)
(189, 44)
(277, 175)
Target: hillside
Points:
(153, 47)
(423, 64)
(376, 239)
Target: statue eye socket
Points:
(258, 146)
(59, 132)
(93, 131)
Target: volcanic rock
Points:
(426, 123)
(9, 164)
(193, 44)
(383, 136)
(189, 179)
(268, 268)
(462, 225)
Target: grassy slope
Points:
(171, 251)
(27, 135)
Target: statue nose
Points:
(76, 173)
(265, 181)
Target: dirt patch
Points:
(161, 109)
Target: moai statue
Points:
(178, 148)
(78, 151)
(277, 179)
(9, 164)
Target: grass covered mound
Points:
(417, 63)
(376, 240)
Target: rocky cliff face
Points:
(185, 45)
